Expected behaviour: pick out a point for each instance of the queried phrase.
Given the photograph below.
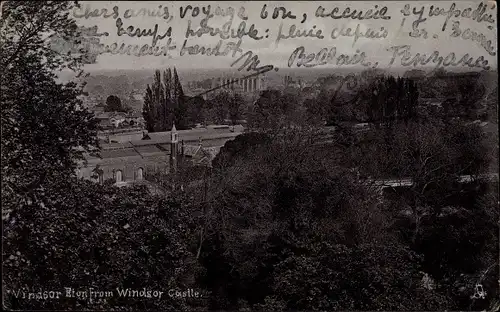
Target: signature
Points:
(252, 62)
(299, 57)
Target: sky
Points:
(277, 54)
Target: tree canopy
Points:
(114, 104)
(165, 103)
(45, 128)
(125, 238)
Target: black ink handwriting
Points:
(88, 12)
(277, 12)
(161, 12)
(131, 31)
(326, 56)
(416, 32)
(406, 58)
(136, 50)
(209, 13)
(225, 33)
(293, 32)
(359, 15)
(468, 34)
(209, 51)
(479, 14)
(356, 33)
(252, 63)
(92, 32)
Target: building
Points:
(289, 82)
(120, 119)
(208, 88)
(253, 84)
(137, 95)
(159, 151)
(116, 119)
(123, 135)
(98, 109)
(113, 119)
(134, 119)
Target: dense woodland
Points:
(287, 218)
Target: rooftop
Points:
(107, 115)
(159, 143)
(209, 133)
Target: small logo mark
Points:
(479, 293)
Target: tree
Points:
(219, 107)
(98, 89)
(286, 216)
(238, 148)
(342, 99)
(226, 104)
(492, 106)
(471, 90)
(148, 111)
(442, 220)
(415, 74)
(377, 275)
(90, 235)
(235, 108)
(114, 104)
(392, 100)
(464, 92)
(166, 108)
(165, 103)
(314, 111)
(157, 102)
(274, 110)
(196, 107)
(45, 128)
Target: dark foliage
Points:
(114, 104)
(45, 128)
(239, 147)
(87, 235)
(165, 103)
(301, 229)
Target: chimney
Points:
(200, 142)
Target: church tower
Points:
(173, 148)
